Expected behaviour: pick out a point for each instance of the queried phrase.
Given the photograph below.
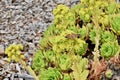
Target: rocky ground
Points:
(23, 21)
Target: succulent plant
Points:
(108, 36)
(50, 55)
(50, 74)
(93, 34)
(62, 13)
(79, 68)
(109, 73)
(70, 39)
(65, 62)
(115, 24)
(39, 62)
(109, 49)
(83, 32)
(67, 77)
(14, 52)
(111, 8)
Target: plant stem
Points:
(96, 49)
(28, 68)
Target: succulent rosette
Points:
(79, 68)
(14, 52)
(108, 36)
(38, 61)
(109, 73)
(80, 47)
(50, 55)
(109, 49)
(60, 13)
(65, 62)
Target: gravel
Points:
(23, 21)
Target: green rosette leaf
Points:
(109, 49)
(50, 55)
(75, 9)
(50, 74)
(67, 77)
(38, 61)
(80, 47)
(83, 32)
(50, 31)
(74, 44)
(115, 24)
(65, 62)
(111, 8)
(61, 9)
(79, 68)
(85, 15)
(84, 1)
(61, 13)
(108, 36)
(93, 34)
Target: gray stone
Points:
(74, 1)
(2, 48)
(20, 24)
(61, 1)
(6, 78)
(3, 32)
(28, 1)
(12, 37)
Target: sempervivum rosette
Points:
(38, 61)
(65, 62)
(108, 36)
(109, 49)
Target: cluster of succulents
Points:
(66, 43)
(14, 52)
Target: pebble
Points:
(61, 1)
(116, 77)
(1, 49)
(3, 32)
(28, 1)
